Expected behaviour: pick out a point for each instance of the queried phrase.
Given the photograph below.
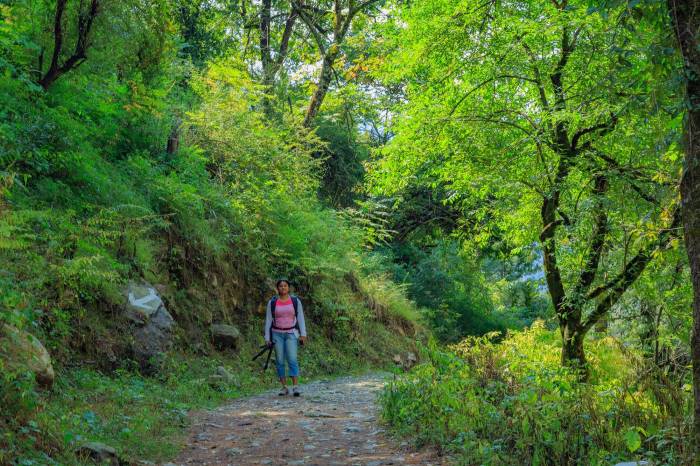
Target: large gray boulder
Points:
(225, 336)
(152, 326)
(23, 351)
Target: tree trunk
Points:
(272, 65)
(572, 354)
(685, 17)
(690, 202)
(174, 138)
(266, 56)
(324, 83)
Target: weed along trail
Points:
(331, 423)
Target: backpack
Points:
(295, 303)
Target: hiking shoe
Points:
(284, 392)
(296, 391)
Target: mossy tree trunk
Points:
(685, 16)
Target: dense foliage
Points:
(518, 405)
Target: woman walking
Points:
(284, 327)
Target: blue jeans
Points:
(285, 348)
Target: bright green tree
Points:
(558, 121)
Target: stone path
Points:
(332, 423)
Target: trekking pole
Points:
(264, 348)
(267, 362)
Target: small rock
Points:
(99, 453)
(352, 429)
(266, 461)
(233, 451)
(411, 359)
(142, 303)
(203, 437)
(227, 377)
(225, 336)
(295, 463)
(309, 447)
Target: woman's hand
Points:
(302, 340)
(268, 343)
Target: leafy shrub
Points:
(512, 403)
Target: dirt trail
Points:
(332, 423)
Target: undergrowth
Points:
(511, 402)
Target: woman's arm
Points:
(268, 322)
(300, 319)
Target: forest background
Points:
(496, 182)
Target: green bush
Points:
(512, 403)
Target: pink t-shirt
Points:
(284, 316)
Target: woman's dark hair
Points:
(281, 280)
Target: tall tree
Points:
(685, 15)
(554, 115)
(329, 25)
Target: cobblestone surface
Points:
(332, 423)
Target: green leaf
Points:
(633, 440)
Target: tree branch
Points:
(493, 120)
(286, 36)
(85, 21)
(603, 128)
(538, 77)
(616, 287)
(630, 173)
(361, 7)
(313, 28)
(265, 55)
(485, 82)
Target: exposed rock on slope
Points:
(152, 326)
(21, 350)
